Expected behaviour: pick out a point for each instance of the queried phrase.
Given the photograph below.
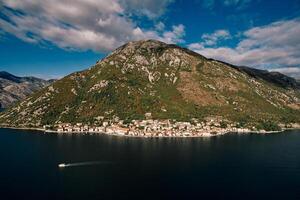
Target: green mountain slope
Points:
(166, 80)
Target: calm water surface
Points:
(227, 167)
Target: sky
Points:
(50, 39)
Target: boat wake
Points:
(79, 164)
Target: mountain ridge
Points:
(14, 88)
(168, 81)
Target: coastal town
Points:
(154, 128)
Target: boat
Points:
(62, 165)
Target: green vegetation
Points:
(133, 87)
(223, 124)
(268, 126)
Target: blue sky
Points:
(51, 39)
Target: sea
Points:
(233, 166)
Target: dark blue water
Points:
(227, 167)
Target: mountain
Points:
(14, 88)
(165, 80)
(276, 78)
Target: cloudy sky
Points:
(52, 38)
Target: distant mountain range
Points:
(14, 88)
(273, 77)
(165, 80)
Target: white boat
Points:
(62, 165)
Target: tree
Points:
(223, 124)
(268, 126)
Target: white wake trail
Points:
(78, 164)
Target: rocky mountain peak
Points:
(150, 55)
(146, 45)
(150, 48)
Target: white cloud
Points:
(212, 39)
(160, 26)
(196, 46)
(273, 46)
(149, 8)
(239, 4)
(99, 25)
(174, 36)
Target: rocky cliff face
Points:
(14, 89)
(165, 80)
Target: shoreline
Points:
(206, 135)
